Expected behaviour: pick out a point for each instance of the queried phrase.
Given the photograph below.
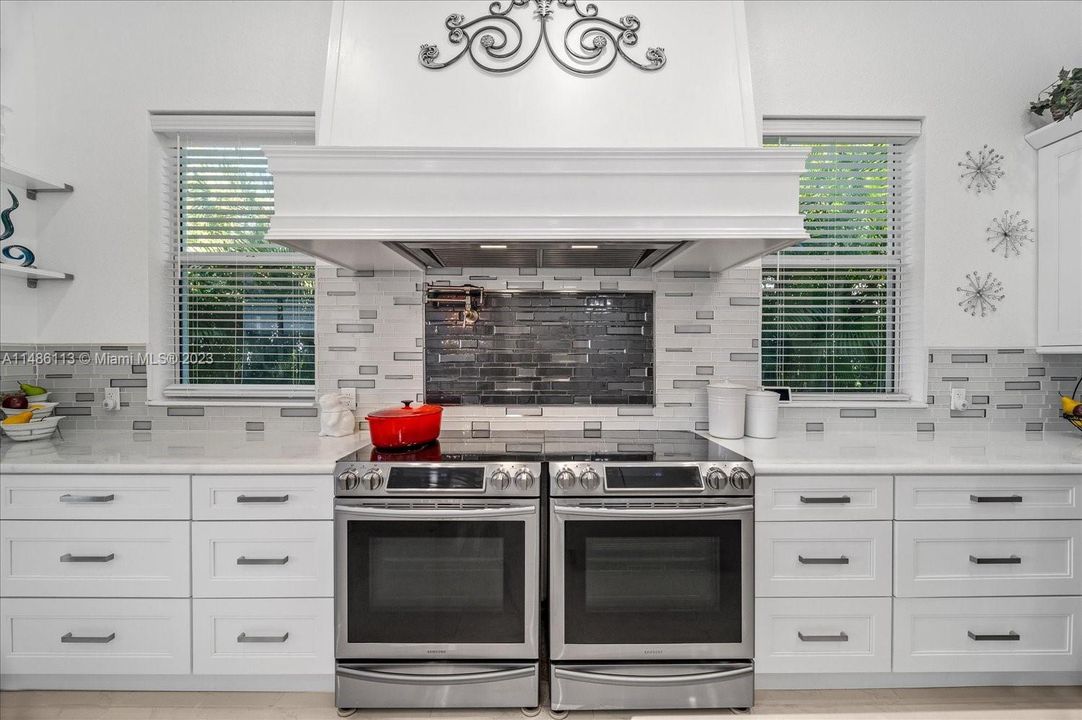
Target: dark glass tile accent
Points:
(128, 382)
(411, 300)
(702, 425)
(814, 427)
(368, 369)
(857, 413)
(61, 410)
(925, 427)
(1054, 378)
(704, 369)
(691, 329)
(356, 328)
(367, 314)
(930, 400)
(397, 377)
(139, 369)
(1036, 372)
(679, 294)
(609, 286)
(184, 411)
(979, 399)
(341, 293)
(298, 412)
(523, 272)
(57, 376)
(700, 274)
(612, 272)
(969, 358)
(404, 355)
(443, 271)
(342, 348)
(1022, 385)
(743, 357)
(743, 301)
(531, 349)
(678, 349)
(143, 424)
(356, 383)
(971, 413)
(1010, 351)
(1009, 406)
(84, 397)
(113, 348)
(343, 272)
(254, 426)
(1035, 427)
(678, 384)
(704, 314)
(955, 378)
(525, 285)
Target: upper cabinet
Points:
(1059, 235)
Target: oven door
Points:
(662, 579)
(429, 579)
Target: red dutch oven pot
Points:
(404, 427)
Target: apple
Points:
(15, 402)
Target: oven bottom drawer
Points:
(436, 685)
(643, 686)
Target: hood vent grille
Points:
(519, 254)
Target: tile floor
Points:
(1023, 703)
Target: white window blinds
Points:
(834, 319)
(243, 308)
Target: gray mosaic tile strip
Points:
(1009, 406)
(857, 413)
(1035, 427)
(743, 301)
(141, 424)
(344, 273)
(955, 378)
(341, 293)
(128, 382)
(139, 369)
(609, 286)
(62, 410)
(817, 427)
(356, 328)
(1022, 385)
(691, 329)
(411, 356)
(612, 272)
(412, 300)
(704, 369)
(925, 427)
(690, 383)
(634, 411)
(678, 349)
(969, 358)
(341, 348)
(743, 357)
(397, 377)
(527, 272)
(254, 426)
(367, 314)
(971, 413)
(699, 274)
(979, 399)
(1010, 351)
(84, 397)
(701, 425)
(113, 348)
(453, 272)
(368, 369)
(345, 383)
(704, 314)
(685, 294)
(1036, 372)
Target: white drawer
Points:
(274, 636)
(988, 497)
(263, 559)
(824, 497)
(810, 559)
(90, 558)
(53, 636)
(1022, 557)
(960, 634)
(816, 635)
(263, 497)
(94, 497)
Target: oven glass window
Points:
(436, 582)
(651, 582)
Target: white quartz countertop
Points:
(178, 452)
(794, 453)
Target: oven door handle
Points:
(379, 513)
(438, 679)
(609, 678)
(673, 513)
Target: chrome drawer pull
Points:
(1012, 635)
(1012, 560)
(87, 498)
(995, 498)
(243, 638)
(262, 561)
(843, 560)
(262, 498)
(68, 557)
(69, 638)
(840, 500)
(840, 637)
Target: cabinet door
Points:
(815, 559)
(821, 635)
(823, 497)
(262, 497)
(286, 636)
(1059, 243)
(93, 497)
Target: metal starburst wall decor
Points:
(1009, 233)
(981, 295)
(980, 172)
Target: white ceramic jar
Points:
(761, 414)
(726, 406)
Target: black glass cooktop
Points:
(624, 446)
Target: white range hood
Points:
(393, 183)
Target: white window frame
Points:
(260, 128)
(912, 351)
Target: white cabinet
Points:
(824, 497)
(262, 497)
(94, 497)
(988, 497)
(262, 559)
(987, 634)
(57, 636)
(1020, 557)
(822, 635)
(1059, 235)
(86, 558)
(809, 559)
(281, 636)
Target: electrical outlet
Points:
(111, 399)
(350, 396)
(958, 399)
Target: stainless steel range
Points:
(651, 573)
(436, 577)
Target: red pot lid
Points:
(407, 411)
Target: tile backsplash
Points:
(542, 348)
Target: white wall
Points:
(99, 67)
(969, 69)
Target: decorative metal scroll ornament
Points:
(493, 41)
(16, 254)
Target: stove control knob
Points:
(589, 479)
(349, 479)
(501, 480)
(740, 478)
(523, 479)
(565, 479)
(715, 478)
(372, 480)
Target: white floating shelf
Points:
(33, 274)
(32, 181)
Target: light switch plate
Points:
(958, 399)
(350, 396)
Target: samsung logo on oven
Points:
(653, 652)
(436, 652)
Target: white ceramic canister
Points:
(761, 415)
(725, 406)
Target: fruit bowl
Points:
(37, 398)
(37, 429)
(40, 409)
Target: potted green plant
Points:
(1062, 98)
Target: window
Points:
(243, 320)
(836, 321)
